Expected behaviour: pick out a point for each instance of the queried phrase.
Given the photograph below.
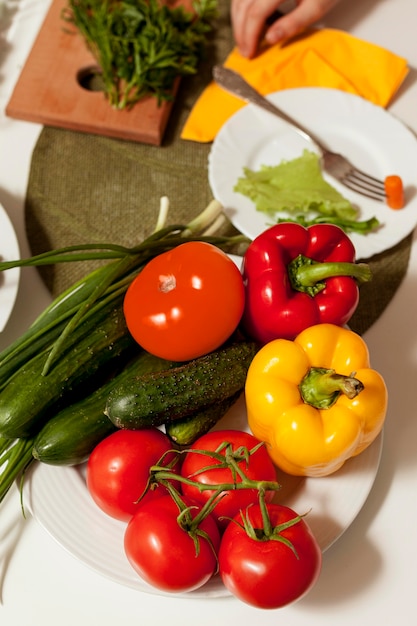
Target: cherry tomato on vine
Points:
(185, 302)
(269, 574)
(163, 553)
(118, 470)
(207, 470)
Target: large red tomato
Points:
(208, 471)
(186, 302)
(164, 554)
(268, 573)
(118, 470)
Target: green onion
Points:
(51, 331)
(15, 459)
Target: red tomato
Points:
(118, 470)
(260, 467)
(163, 553)
(186, 302)
(268, 574)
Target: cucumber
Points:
(71, 435)
(159, 398)
(185, 431)
(30, 397)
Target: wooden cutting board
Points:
(49, 92)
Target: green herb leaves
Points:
(141, 46)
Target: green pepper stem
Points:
(311, 274)
(308, 275)
(322, 387)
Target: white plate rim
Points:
(9, 279)
(367, 134)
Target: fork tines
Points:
(365, 184)
(338, 166)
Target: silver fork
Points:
(335, 164)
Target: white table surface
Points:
(369, 576)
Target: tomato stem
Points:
(188, 523)
(268, 532)
(160, 475)
(230, 459)
(226, 457)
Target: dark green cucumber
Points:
(71, 435)
(156, 399)
(185, 431)
(30, 397)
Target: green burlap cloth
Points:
(86, 188)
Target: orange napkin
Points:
(320, 58)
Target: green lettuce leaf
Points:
(294, 187)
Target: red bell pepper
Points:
(298, 276)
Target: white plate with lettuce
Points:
(366, 134)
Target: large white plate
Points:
(58, 498)
(9, 280)
(366, 134)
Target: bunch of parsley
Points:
(142, 46)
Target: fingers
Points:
(248, 19)
(295, 22)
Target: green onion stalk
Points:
(52, 328)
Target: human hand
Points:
(249, 21)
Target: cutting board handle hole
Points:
(90, 78)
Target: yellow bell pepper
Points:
(315, 401)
